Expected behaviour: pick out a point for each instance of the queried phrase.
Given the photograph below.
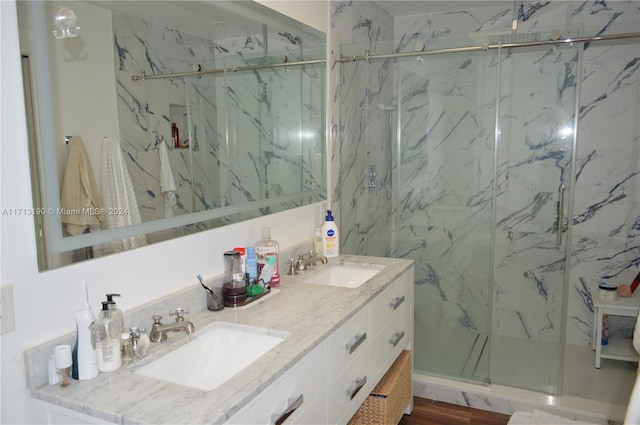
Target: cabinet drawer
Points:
(349, 340)
(316, 413)
(295, 391)
(390, 342)
(349, 389)
(392, 302)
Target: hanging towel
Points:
(118, 196)
(167, 184)
(80, 200)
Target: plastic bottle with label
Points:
(330, 238)
(264, 248)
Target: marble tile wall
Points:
(451, 238)
(266, 154)
(362, 129)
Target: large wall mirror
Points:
(150, 120)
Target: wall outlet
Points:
(7, 318)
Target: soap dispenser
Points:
(106, 333)
(116, 313)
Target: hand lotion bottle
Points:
(330, 239)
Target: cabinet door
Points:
(392, 302)
(393, 338)
(287, 399)
(47, 413)
(349, 340)
(349, 389)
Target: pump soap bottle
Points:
(116, 313)
(107, 338)
(330, 239)
(85, 358)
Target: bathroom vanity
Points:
(338, 343)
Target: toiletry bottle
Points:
(317, 242)
(107, 333)
(126, 348)
(268, 270)
(243, 260)
(330, 239)
(116, 313)
(264, 248)
(85, 358)
(175, 135)
(252, 265)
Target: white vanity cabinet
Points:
(332, 377)
(392, 323)
(47, 413)
(338, 375)
(299, 392)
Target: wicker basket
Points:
(387, 401)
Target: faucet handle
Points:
(293, 266)
(179, 313)
(300, 264)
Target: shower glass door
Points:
(485, 147)
(445, 206)
(537, 92)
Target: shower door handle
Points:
(560, 214)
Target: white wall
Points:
(44, 302)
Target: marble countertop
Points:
(308, 313)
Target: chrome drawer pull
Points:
(359, 384)
(396, 338)
(395, 303)
(293, 405)
(352, 346)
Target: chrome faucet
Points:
(159, 331)
(310, 260)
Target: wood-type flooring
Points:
(430, 412)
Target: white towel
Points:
(79, 196)
(636, 335)
(167, 184)
(632, 416)
(118, 196)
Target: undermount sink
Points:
(213, 357)
(346, 275)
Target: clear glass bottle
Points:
(126, 348)
(106, 334)
(264, 248)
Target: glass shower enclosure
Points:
(482, 181)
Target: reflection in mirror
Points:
(161, 119)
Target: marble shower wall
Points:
(251, 134)
(362, 128)
(604, 239)
(604, 245)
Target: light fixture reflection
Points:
(65, 20)
(566, 131)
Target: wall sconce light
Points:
(65, 20)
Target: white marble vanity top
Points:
(307, 312)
